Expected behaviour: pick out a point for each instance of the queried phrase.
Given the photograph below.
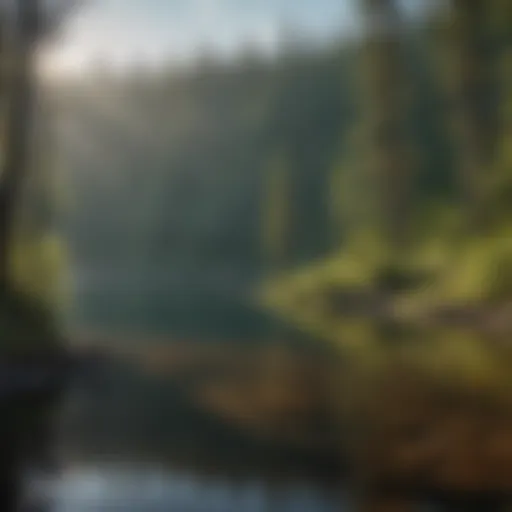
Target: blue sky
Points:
(150, 30)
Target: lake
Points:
(138, 487)
(139, 443)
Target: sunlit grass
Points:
(476, 271)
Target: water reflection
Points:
(142, 443)
(195, 427)
(150, 489)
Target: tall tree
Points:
(385, 118)
(276, 215)
(473, 98)
(31, 21)
(19, 109)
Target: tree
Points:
(385, 119)
(19, 89)
(28, 252)
(472, 42)
(276, 215)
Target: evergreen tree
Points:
(387, 155)
(473, 98)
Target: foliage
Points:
(458, 253)
(207, 189)
(37, 267)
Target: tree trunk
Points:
(18, 126)
(385, 119)
(475, 115)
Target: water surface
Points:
(138, 487)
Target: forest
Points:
(296, 263)
(359, 192)
(355, 192)
(170, 180)
(188, 187)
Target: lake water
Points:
(140, 445)
(136, 487)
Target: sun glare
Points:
(57, 64)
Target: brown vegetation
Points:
(398, 425)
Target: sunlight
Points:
(57, 63)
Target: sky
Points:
(120, 31)
(128, 31)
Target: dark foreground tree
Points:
(27, 328)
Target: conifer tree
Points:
(18, 118)
(472, 97)
(384, 119)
